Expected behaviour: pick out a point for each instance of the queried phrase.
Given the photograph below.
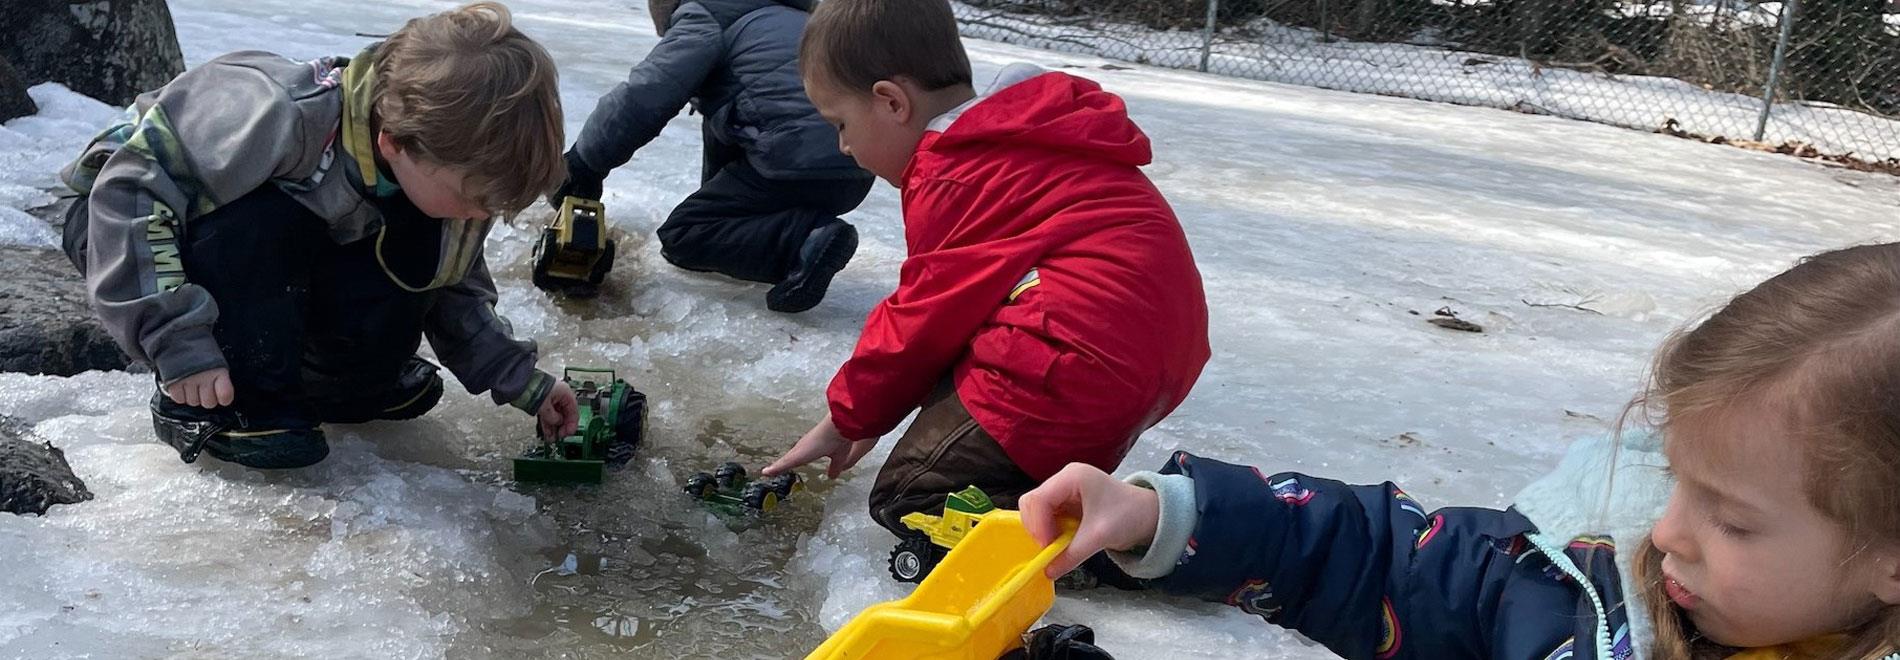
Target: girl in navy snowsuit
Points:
(1760, 520)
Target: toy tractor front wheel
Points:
(603, 264)
(700, 485)
(759, 497)
(630, 428)
(544, 262)
(728, 474)
(913, 559)
(784, 484)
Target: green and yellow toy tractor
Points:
(727, 490)
(574, 253)
(915, 556)
(612, 421)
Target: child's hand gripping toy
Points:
(612, 423)
(574, 253)
(976, 605)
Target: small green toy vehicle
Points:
(574, 253)
(915, 556)
(727, 490)
(613, 421)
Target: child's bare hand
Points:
(206, 389)
(560, 414)
(823, 441)
(1113, 515)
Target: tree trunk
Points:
(1367, 17)
(1840, 52)
(1531, 27)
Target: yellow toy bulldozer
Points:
(574, 253)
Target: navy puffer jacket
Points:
(736, 61)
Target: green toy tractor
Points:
(574, 253)
(915, 556)
(612, 421)
(727, 490)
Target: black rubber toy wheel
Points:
(728, 474)
(784, 484)
(543, 261)
(630, 428)
(758, 498)
(606, 263)
(913, 559)
(699, 485)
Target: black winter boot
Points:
(826, 251)
(417, 389)
(229, 436)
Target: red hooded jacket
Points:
(1046, 274)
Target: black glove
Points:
(582, 182)
(1057, 642)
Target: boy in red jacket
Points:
(1049, 310)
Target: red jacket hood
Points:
(1054, 111)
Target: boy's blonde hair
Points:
(464, 88)
(853, 44)
(1827, 333)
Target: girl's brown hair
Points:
(1826, 333)
(464, 88)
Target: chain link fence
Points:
(1693, 68)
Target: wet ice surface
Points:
(1320, 220)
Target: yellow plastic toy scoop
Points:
(974, 606)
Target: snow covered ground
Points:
(1321, 221)
(1300, 56)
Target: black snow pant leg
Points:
(255, 256)
(744, 225)
(364, 328)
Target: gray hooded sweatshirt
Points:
(213, 135)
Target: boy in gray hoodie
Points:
(274, 237)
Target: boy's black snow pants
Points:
(744, 225)
(303, 322)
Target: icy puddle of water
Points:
(641, 570)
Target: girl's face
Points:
(1746, 553)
